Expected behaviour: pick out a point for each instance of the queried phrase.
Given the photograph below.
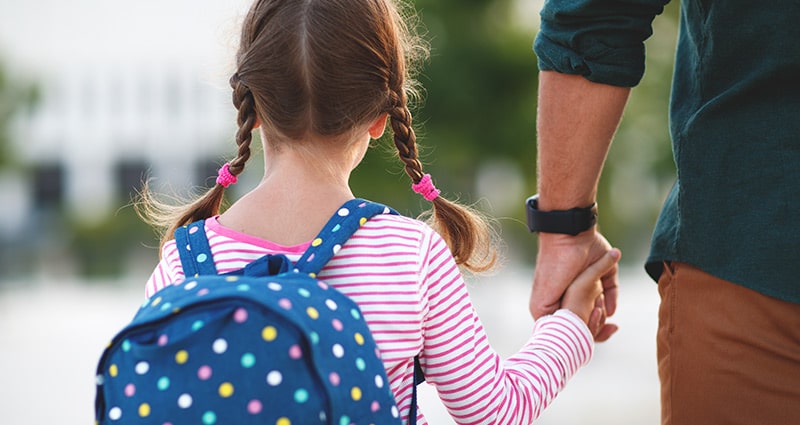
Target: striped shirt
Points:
(415, 301)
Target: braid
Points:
(467, 233)
(246, 119)
(405, 139)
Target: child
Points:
(319, 79)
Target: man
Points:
(725, 247)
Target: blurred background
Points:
(98, 95)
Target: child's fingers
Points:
(600, 302)
(606, 332)
(585, 293)
(601, 330)
(596, 320)
(588, 279)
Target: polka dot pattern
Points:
(239, 349)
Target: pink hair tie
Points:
(426, 188)
(224, 176)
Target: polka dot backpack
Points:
(269, 344)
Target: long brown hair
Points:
(325, 68)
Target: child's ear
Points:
(378, 126)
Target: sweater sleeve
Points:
(600, 40)
(473, 382)
(167, 272)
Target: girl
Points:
(319, 79)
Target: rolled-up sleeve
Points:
(601, 40)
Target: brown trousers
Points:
(726, 354)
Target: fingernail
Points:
(615, 253)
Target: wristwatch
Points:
(569, 222)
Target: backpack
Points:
(267, 344)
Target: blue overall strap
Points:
(192, 244)
(339, 228)
(419, 377)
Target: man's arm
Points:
(576, 121)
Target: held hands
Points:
(564, 260)
(584, 296)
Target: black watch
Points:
(569, 222)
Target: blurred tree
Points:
(103, 249)
(479, 105)
(16, 95)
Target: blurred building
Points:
(128, 91)
(98, 132)
(88, 144)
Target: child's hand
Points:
(584, 296)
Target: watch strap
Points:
(569, 222)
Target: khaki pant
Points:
(726, 354)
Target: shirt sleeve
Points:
(601, 40)
(473, 382)
(167, 272)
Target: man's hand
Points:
(560, 260)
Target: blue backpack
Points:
(268, 344)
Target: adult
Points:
(725, 245)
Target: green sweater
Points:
(734, 123)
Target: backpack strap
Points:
(419, 377)
(335, 233)
(194, 250)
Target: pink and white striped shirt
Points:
(413, 297)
